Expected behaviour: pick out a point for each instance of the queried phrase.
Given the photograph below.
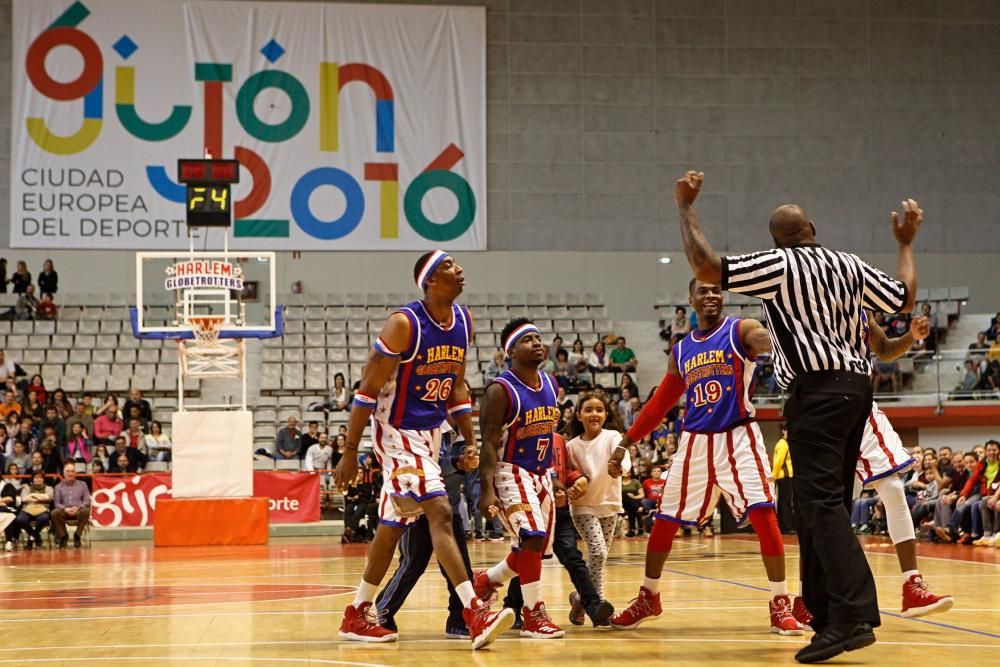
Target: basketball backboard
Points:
(172, 288)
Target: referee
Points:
(812, 299)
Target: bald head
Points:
(790, 226)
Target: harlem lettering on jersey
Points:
(531, 419)
(718, 377)
(441, 360)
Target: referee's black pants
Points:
(415, 549)
(826, 414)
(786, 504)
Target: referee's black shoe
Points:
(835, 639)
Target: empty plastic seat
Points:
(62, 357)
(294, 354)
(271, 354)
(316, 354)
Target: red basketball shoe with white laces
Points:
(358, 626)
(782, 619)
(919, 601)
(536, 623)
(641, 609)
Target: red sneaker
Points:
(576, 612)
(800, 612)
(919, 601)
(641, 609)
(782, 619)
(538, 625)
(485, 589)
(485, 625)
(357, 626)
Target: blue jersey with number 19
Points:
(417, 398)
(531, 419)
(719, 378)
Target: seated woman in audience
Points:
(598, 359)
(157, 443)
(96, 467)
(564, 372)
(109, 407)
(63, 406)
(109, 424)
(36, 505)
(562, 400)
(680, 326)
(101, 454)
(565, 419)
(628, 383)
(9, 494)
(557, 344)
(37, 385)
(13, 423)
(33, 407)
(497, 365)
(578, 357)
(79, 447)
(340, 398)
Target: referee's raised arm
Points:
(813, 299)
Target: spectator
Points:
(625, 404)
(496, 366)
(627, 381)
(309, 438)
(13, 424)
(26, 436)
(88, 401)
(37, 385)
(111, 406)
(80, 417)
(108, 425)
(288, 441)
(72, 501)
(97, 467)
(565, 419)
(978, 486)
(9, 490)
(782, 472)
(932, 320)
(136, 461)
(9, 404)
(27, 304)
(19, 455)
(547, 366)
(33, 407)
(652, 487)
(598, 360)
(632, 503)
(48, 279)
(8, 368)
(47, 309)
(135, 437)
(3, 275)
(36, 464)
(156, 443)
(948, 494)
(557, 344)
(622, 357)
(79, 446)
(51, 460)
(359, 501)
(564, 372)
(994, 352)
(993, 332)
(21, 279)
(319, 456)
(52, 419)
(339, 443)
(977, 351)
(101, 454)
(562, 400)
(635, 406)
(886, 371)
(36, 505)
(135, 399)
(578, 357)
(680, 326)
(340, 398)
(989, 510)
(63, 406)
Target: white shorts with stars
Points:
(527, 504)
(409, 469)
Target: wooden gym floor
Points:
(131, 604)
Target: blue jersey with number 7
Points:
(719, 378)
(531, 420)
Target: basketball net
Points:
(208, 355)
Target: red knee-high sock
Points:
(529, 566)
(765, 524)
(662, 537)
(512, 560)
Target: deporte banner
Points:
(131, 500)
(357, 127)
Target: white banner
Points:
(358, 127)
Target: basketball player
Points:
(415, 378)
(881, 460)
(518, 413)
(721, 446)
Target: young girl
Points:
(596, 497)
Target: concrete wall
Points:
(596, 106)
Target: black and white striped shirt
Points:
(812, 299)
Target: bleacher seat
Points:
(157, 466)
(62, 357)
(263, 464)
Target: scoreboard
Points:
(209, 201)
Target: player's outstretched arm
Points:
(905, 231)
(382, 361)
(755, 338)
(703, 259)
(492, 411)
(890, 349)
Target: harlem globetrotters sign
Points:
(203, 273)
(356, 126)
